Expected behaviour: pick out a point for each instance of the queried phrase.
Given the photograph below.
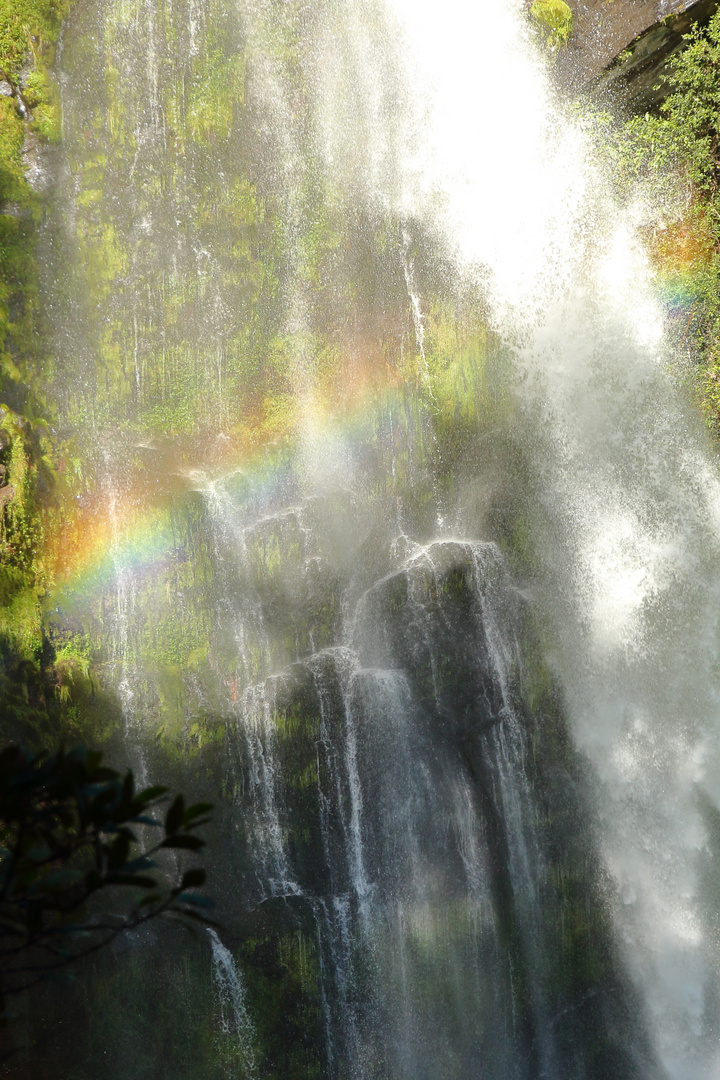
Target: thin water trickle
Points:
(237, 1033)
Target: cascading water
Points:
(235, 1024)
(420, 541)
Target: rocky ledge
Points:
(620, 48)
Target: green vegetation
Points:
(29, 108)
(29, 117)
(679, 149)
(27, 26)
(556, 19)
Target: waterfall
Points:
(623, 496)
(235, 1024)
(401, 545)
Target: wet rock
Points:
(36, 166)
(14, 210)
(638, 77)
(603, 29)
(6, 89)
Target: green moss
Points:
(21, 623)
(556, 17)
(26, 25)
(28, 30)
(217, 90)
(283, 977)
(12, 180)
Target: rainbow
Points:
(132, 529)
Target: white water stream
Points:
(236, 1027)
(625, 499)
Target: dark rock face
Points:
(403, 811)
(638, 77)
(623, 45)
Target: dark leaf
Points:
(128, 787)
(193, 878)
(141, 881)
(195, 899)
(62, 878)
(152, 898)
(142, 863)
(93, 881)
(38, 854)
(150, 794)
(188, 913)
(196, 811)
(174, 817)
(119, 850)
(142, 819)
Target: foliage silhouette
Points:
(70, 829)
